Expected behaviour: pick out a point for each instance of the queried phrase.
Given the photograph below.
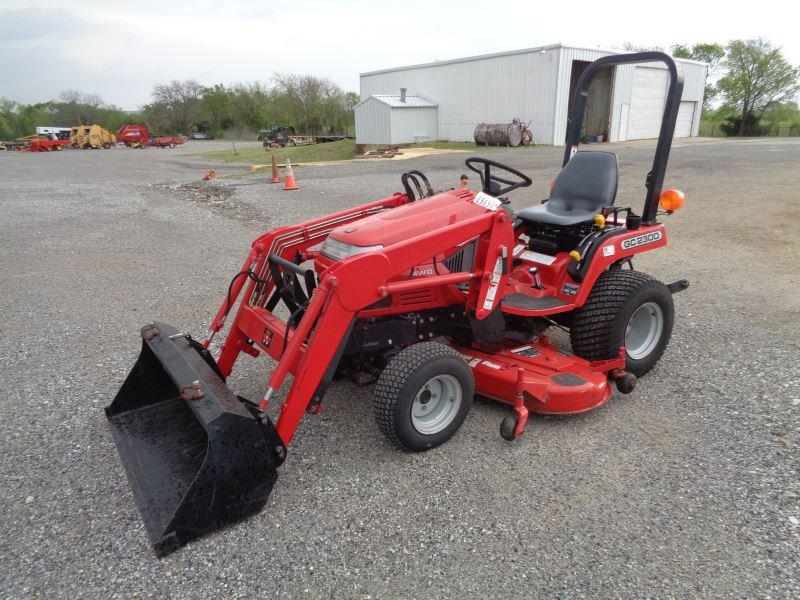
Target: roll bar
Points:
(655, 178)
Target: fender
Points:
(610, 247)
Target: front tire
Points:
(625, 308)
(423, 396)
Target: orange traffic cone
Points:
(212, 174)
(289, 183)
(276, 176)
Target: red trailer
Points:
(164, 141)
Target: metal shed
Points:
(390, 119)
(536, 84)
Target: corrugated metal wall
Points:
(373, 123)
(492, 90)
(380, 124)
(532, 85)
(409, 124)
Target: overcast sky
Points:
(121, 49)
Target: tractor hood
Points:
(399, 224)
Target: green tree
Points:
(215, 109)
(757, 76)
(713, 54)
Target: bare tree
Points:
(182, 99)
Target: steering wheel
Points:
(487, 177)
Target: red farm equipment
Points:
(433, 297)
(168, 141)
(133, 136)
(46, 145)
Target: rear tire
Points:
(423, 396)
(624, 308)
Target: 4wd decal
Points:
(641, 240)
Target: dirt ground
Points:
(688, 487)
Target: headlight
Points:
(336, 250)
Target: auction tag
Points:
(486, 201)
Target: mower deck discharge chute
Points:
(431, 297)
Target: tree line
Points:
(310, 104)
(751, 89)
(71, 108)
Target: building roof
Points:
(439, 63)
(393, 100)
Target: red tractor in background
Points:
(133, 136)
(37, 144)
(433, 297)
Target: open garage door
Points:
(647, 102)
(683, 126)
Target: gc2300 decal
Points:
(641, 240)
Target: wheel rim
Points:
(436, 404)
(644, 330)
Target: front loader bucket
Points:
(196, 456)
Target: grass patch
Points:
(342, 150)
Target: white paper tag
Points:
(608, 250)
(486, 201)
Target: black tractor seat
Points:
(585, 185)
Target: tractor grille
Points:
(462, 260)
(415, 297)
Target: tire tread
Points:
(393, 380)
(592, 330)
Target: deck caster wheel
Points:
(626, 384)
(508, 427)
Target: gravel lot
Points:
(688, 487)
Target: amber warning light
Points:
(671, 200)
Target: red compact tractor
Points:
(433, 297)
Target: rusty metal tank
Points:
(498, 134)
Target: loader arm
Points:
(359, 281)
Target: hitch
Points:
(678, 286)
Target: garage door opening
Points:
(597, 117)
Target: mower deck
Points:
(538, 377)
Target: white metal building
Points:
(535, 85)
(388, 119)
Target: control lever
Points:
(537, 283)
